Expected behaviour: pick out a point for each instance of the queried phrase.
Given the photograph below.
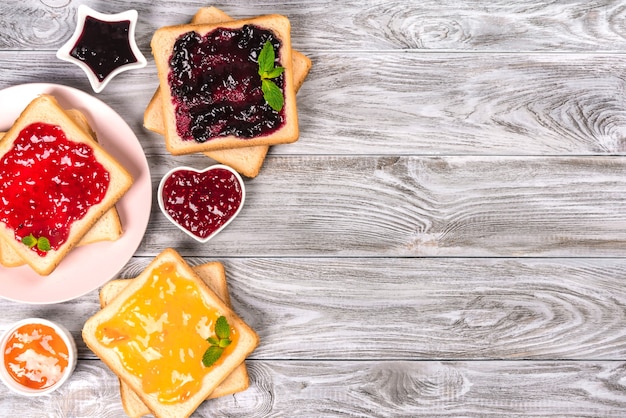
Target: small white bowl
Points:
(213, 167)
(71, 364)
(64, 53)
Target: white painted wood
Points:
(446, 238)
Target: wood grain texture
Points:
(414, 104)
(526, 25)
(368, 389)
(418, 206)
(448, 235)
(353, 308)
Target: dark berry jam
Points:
(47, 182)
(216, 87)
(202, 202)
(104, 46)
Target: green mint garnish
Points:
(211, 355)
(267, 70)
(30, 241)
(215, 350)
(42, 243)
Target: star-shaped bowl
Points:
(103, 45)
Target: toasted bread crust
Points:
(46, 109)
(162, 45)
(248, 339)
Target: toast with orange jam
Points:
(214, 276)
(169, 337)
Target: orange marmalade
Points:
(35, 356)
(160, 335)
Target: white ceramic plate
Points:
(87, 267)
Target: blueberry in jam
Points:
(104, 46)
(216, 87)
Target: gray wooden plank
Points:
(415, 308)
(376, 388)
(527, 25)
(417, 206)
(408, 104)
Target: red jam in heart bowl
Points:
(38, 356)
(201, 202)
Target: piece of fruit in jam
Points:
(104, 46)
(216, 88)
(48, 183)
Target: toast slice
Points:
(165, 306)
(247, 160)
(214, 276)
(188, 108)
(107, 228)
(50, 123)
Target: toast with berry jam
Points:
(107, 228)
(246, 160)
(226, 85)
(59, 182)
(214, 276)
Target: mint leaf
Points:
(271, 92)
(222, 329)
(224, 342)
(211, 355)
(43, 244)
(213, 341)
(30, 241)
(272, 73)
(272, 95)
(266, 58)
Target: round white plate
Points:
(86, 267)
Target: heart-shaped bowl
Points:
(201, 202)
(40, 353)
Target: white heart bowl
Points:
(162, 205)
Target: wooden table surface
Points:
(446, 238)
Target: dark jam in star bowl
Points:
(48, 183)
(216, 87)
(104, 46)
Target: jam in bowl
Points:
(38, 356)
(201, 202)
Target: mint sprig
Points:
(267, 70)
(42, 243)
(218, 342)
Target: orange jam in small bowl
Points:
(38, 356)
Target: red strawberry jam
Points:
(202, 202)
(216, 87)
(104, 46)
(47, 182)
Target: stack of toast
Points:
(244, 155)
(226, 377)
(101, 221)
